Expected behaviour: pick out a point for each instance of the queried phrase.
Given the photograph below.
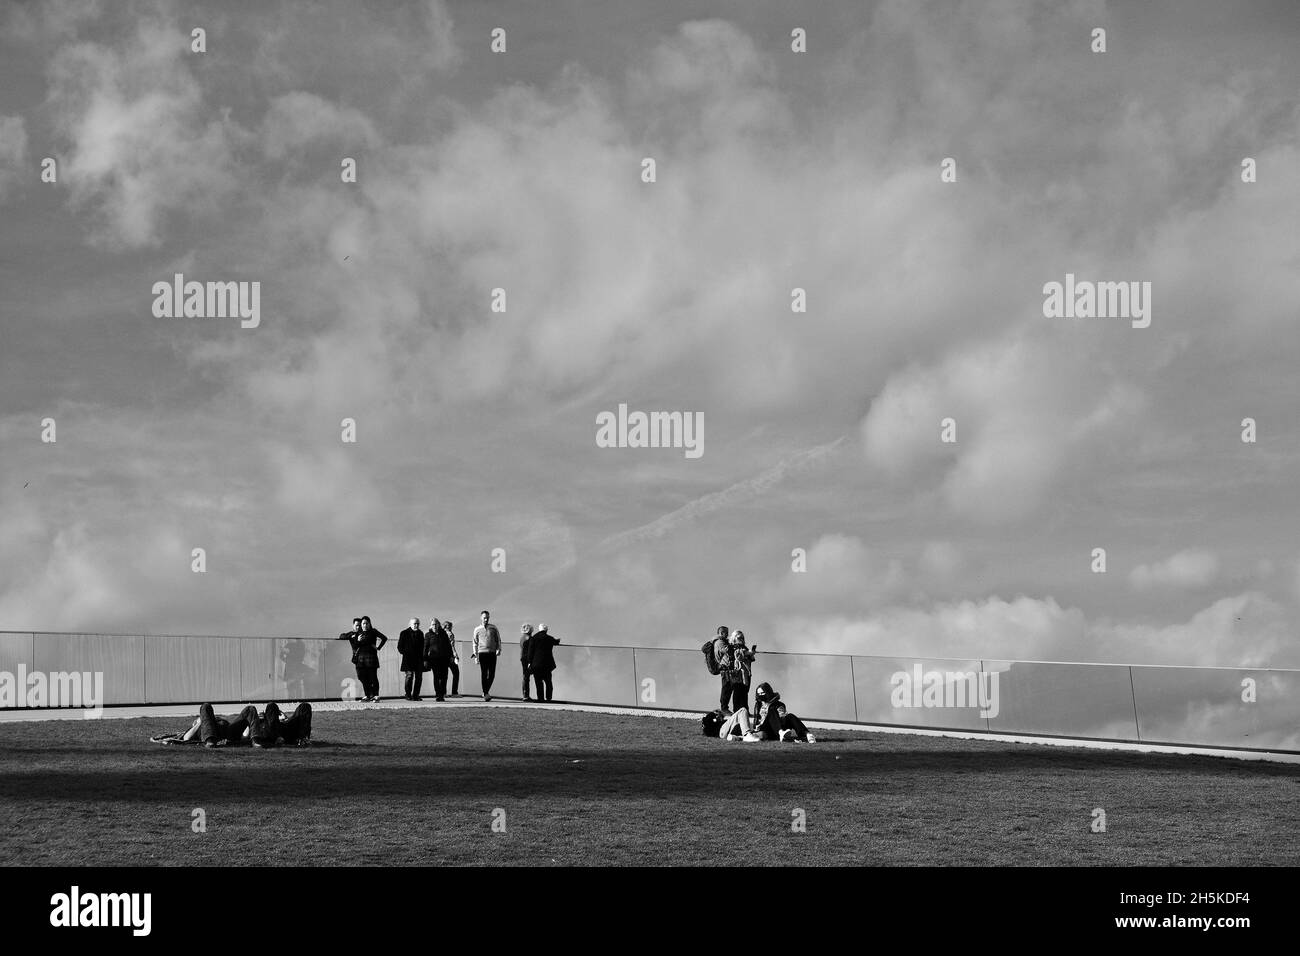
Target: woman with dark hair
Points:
(366, 645)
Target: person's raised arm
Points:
(383, 639)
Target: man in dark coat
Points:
(541, 660)
(437, 654)
(410, 644)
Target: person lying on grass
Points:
(735, 726)
(774, 721)
(246, 728)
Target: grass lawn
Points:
(420, 787)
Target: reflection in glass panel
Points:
(119, 658)
(1212, 706)
(814, 686)
(593, 675)
(675, 680)
(912, 692)
(16, 649)
(189, 669)
(1073, 700)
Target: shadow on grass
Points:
(420, 770)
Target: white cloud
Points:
(1189, 569)
(13, 154)
(299, 119)
(1248, 630)
(138, 141)
(842, 571)
(1023, 406)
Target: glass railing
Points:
(1239, 708)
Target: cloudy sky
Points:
(775, 170)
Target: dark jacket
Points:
(523, 648)
(351, 638)
(365, 647)
(766, 698)
(410, 644)
(541, 660)
(437, 647)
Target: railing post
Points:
(853, 682)
(1137, 725)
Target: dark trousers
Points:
(543, 681)
(414, 679)
(213, 728)
(487, 668)
(289, 729)
(455, 678)
(734, 695)
(440, 679)
(369, 677)
(524, 666)
(773, 723)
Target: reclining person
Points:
(247, 728)
(735, 726)
(774, 721)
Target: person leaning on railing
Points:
(541, 660)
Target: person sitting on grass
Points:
(774, 721)
(730, 727)
(247, 728)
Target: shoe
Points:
(787, 735)
(726, 712)
(417, 698)
(528, 699)
(440, 698)
(486, 697)
(752, 738)
(812, 739)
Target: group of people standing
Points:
(435, 651)
(735, 661)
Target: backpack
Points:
(710, 661)
(711, 723)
